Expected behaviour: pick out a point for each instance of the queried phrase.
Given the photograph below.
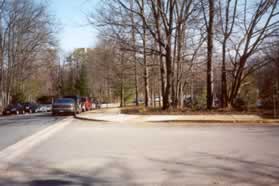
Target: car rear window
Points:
(64, 100)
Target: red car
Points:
(86, 104)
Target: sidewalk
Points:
(214, 118)
(106, 115)
(114, 115)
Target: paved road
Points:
(129, 153)
(15, 128)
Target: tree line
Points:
(28, 51)
(159, 52)
(175, 48)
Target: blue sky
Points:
(72, 15)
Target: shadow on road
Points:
(226, 170)
(55, 177)
(207, 169)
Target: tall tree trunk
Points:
(146, 83)
(136, 83)
(122, 94)
(134, 54)
(162, 76)
(1, 78)
(166, 103)
(236, 83)
(227, 28)
(122, 79)
(168, 57)
(179, 66)
(145, 70)
(224, 94)
(174, 72)
(209, 54)
(161, 57)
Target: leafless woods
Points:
(164, 53)
(26, 45)
(188, 48)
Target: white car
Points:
(48, 107)
(44, 108)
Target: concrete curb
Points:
(89, 119)
(274, 122)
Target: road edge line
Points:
(9, 154)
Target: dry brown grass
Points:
(141, 110)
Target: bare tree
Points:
(26, 31)
(255, 27)
(209, 22)
(227, 20)
(168, 37)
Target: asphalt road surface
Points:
(124, 153)
(14, 128)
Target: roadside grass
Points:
(132, 109)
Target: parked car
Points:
(96, 104)
(41, 108)
(77, 101)
(86, 104)
(48, 107)
(44, 108)
(30, 107)
(14, 109)
(64, 106)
